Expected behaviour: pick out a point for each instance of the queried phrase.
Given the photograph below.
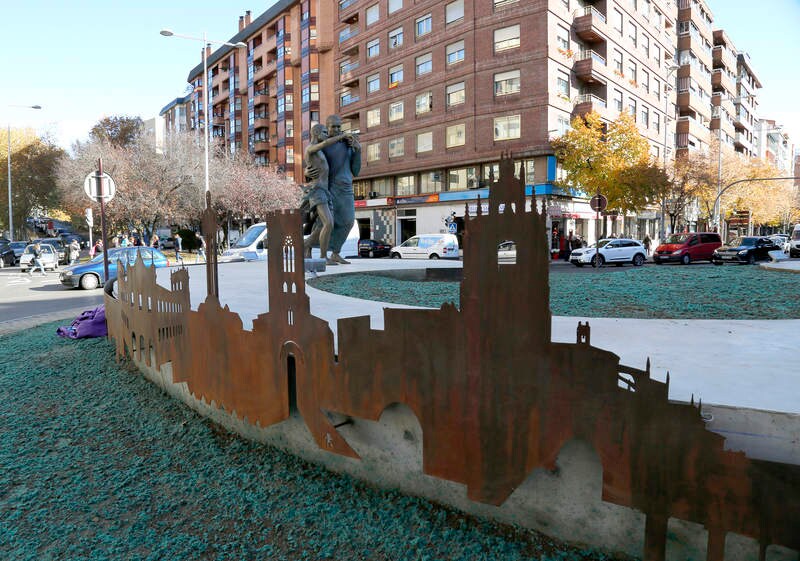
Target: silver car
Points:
(49, 257)
(614, 250)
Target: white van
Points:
(427, 246)
(794, 242)
(252, 246)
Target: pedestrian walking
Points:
(178, 247)
(124, 242)
(74, 251)
(96, 249)
(647, 242)
(37, 261)
(201, 251)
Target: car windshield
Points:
(250, 236)
(678, 238)
(796, 235)
(748, 241)
(602, 243)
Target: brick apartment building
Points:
(438, 89)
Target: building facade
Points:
(437, 90)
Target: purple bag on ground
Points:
(91, 323)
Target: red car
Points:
(687, 247)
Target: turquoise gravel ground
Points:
(98, 463)
(657, 292)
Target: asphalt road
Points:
(23, 296)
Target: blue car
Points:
(90, 275)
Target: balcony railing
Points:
(347, 68)
(348, 99)
(589, 11)
(589, 98)
(583, 55)
(344, 4)
(346, 33)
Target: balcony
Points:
(589, 67)
(722, 57)
(347, 33)
(261, 120)
(347, 75)
(589, 24)
(271, 44)
(347, 8)
(260, 98)
(265, 71)
(741, 141)
(691, 126)
(260, 145)
(218, 119)
(586, 103)
(690, 101)
(347, 99)
(721, 80)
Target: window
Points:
(562, 84)
(455, 52)
(395, 5)
(506, 128)
(373, 83)
(618, 61)
(374, 117)
(657, 88)
(645, 116)
(562, 38)
(424, 25)
(618, 100)
(563, 125)
(395, 75)
(657, 122)
(395, 38)
(431, 182)
(397, 147)
(646, 45)
(633, 34)
(424, 102)
(565, 3)
(506, 38)
(616, 21)
(289, 128)
(425, 142)
(395, 111)
(506, 83)
(453, 12)
(461, 179)
(289, 155)
(656, 53)
(424, 64)
(373, 152)
(456, 135)
(632, 108)
(405, 185)
(632, 70)
(314, 91)
(456, 94)
(372, 14)
(373, 48)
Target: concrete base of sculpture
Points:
(314, 265)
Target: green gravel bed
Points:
(655, 292)
(98, 463)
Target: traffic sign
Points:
(598, 203)
(107, 187)
(452, 228)
(89, 217)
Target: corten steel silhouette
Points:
(495, 397)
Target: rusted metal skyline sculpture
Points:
(495, 397)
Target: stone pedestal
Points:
(315, 265)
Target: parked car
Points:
(67, 237)
(18, 247)
(373, 248)
(427, 246)
(7, 257)
(507, 251)
(615, 250)
(58, 246)
(794, 242)
(91, 275)
(49, 257)
(166, 243)
(687, 247)
(781, 240)
(746, 249)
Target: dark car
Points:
(67, 237)
(58, 246)
(91, 275)
(747, 249)
(19, 248)
(7, 257)
(373, 248)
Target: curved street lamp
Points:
(10, 203)
(206, 86)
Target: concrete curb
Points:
(783, 267)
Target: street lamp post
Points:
(670, 71)
(206, 86)
(10, 204)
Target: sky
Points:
(87, 59)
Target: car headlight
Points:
(677, 252)
(743, 252)
(67, 273)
